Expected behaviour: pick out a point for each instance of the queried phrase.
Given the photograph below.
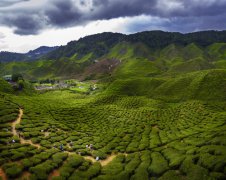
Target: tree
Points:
(17, 77)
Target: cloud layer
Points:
(28, 17)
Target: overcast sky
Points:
(28, 24)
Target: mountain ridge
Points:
(35, 54)
(124, 56)
(153, 39)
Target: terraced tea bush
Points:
(150, 138)
(158, 165)
(133, 163)
(141, 171)
(172, 175)
(192, 170)
(89, 173)
(174, 157)
(114, 167)
(12, 170)
(69, 166)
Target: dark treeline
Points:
(100, 44)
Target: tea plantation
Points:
(107, 136)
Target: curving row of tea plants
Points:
(150, 138)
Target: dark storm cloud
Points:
(63, 14)
(114, 9)
(24, 24)
(182, 15)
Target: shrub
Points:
(100, 154)
(92, 171)
(13, 170)
(68, 167)
(115, 166)
(218, 175)
(212, 162)
(142, 170)
(27, 163)
(175, 157)
(59, 157)
(159, 165)
(192, 170)
(133, 163)
(42, 170)
(171, 175)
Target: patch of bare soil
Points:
(2, 174)
(55, 173)
(107, 160)
(102, 67)
(25, 176)
(46, 134)
(15, 133)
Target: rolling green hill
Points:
(5, 87)
(202, 85)
(142, 54)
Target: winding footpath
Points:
(55, 172)
(23, 141)
(15, 133)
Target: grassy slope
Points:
(168, 140)
(5, 87)
(137, 59)
(203, 85)
(188, 74)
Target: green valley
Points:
(151, 105)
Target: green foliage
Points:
(171, 175)
(203, 85)
(72, 162)
(88, 173)
(158, 165)
(5, 87)
(192, 170)
(174, 157)
(13, 170)
(144, 54)
(114, 167)
(16, 77)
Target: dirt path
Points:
(46, 134)
(23, 141)
(2, 174)
(107, 160)
(15, 133)
(55, 173)
(90, 158)
(103, 162)
(17, 122)
(26, 175)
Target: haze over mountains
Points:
(31, 55)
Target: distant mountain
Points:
(97, 45)
(39, 52)
(100, 44)
(31, 55)
(11, 56)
